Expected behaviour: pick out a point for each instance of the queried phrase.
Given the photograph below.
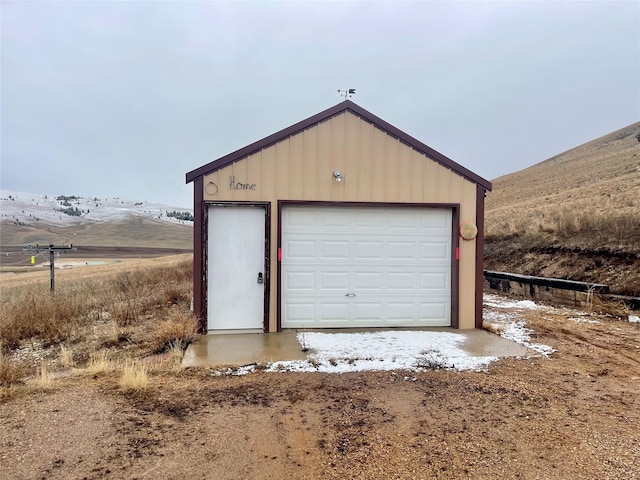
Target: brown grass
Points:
(143, 310)
(66, 357)
(44, 381)
(176, 332)
(98, 363)
(582, 205)
(134, 232)
(588, 196)
(134, 377)
(11, 372)
(31, 311)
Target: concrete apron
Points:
(239, 349)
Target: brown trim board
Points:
(198, 270)
(455, 264)
(480, 194)
(455, 267)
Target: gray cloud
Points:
(122, 98)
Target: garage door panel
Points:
(368, 250)
(301, 250)
(435, 251)
(297, 281)
(368, 221)
(366, 281)
(334, 281)
(371, 266)
(331, 249)
(402, 311)
(402, 281)
(333, 219)
(433, 311)
(435, 281)
(369, 311)
(402, 250)
(432, 219)
(403, 221)
(300, 219)
(334, 311)
(301, 312)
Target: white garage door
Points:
(365, 267)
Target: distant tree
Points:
(186, 216)
(638, 136)
(71, 211)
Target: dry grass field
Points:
(82, 395)
(135, 232)
(121, 311)
(576, 215)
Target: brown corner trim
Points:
(198, 265)
(479, 283)
(279, 267)
(455, 267)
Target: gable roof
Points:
(346, 106)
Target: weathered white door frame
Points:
(210, 256)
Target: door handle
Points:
(349, 294)
(260, 279)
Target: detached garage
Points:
(339, 221)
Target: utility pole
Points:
(52, 249)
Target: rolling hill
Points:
(575, 215)
(27, 218)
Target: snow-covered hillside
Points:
(32, 208)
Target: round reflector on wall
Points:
(468, 231)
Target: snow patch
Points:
(519, 333)
(502, 302)
(34, 209)
(405, 350)
(583, 320)
(509, 324)
(634, 319)
(379, 351)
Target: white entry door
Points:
(236, 268)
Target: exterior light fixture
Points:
(337, 175)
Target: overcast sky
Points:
(123, 98)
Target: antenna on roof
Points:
(348, 93)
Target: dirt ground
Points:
(573, 415)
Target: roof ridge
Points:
(346, 105)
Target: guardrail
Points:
(554, 290)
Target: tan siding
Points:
(376, 167)
(364, 161)
(418, 194)
(282, 169)
(296, 167)
(467, 280)
(391, 168)
(239, 171)
(431, 182)
(267, 187)
(403, 187)
(309, 185)
(352, 144)
(254, 177)
(324, 161)
(207, 191)
(338, 125)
